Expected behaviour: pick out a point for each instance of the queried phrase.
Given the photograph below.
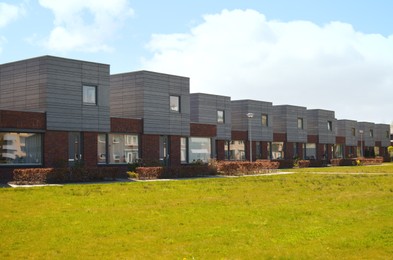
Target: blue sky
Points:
(328, 54)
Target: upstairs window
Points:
(90, 95)
(300, 123)
(174, 103)
(220, 116)
(371, 133)
(330, 125)
(353, 131)
(264, 120)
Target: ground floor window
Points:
(376, 151)
(20, 148)
(183, 150)
(117, 148)
(199, 149)
(311, 151)
(235, 150)
(258, 150)
(338, 151)
(277, 150)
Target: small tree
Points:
(390, 151)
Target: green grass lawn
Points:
(296, 216)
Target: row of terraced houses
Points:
(55, 110)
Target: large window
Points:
(20, 148)
(338, 150)
(235, 150)
(174, 103)
(117, 148)
(278, 150)
(199, 149)
(220, 116)
(311, 151)
(90, 95)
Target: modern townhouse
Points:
(51, 111)
(290, 139)
(347, 137)
(158, 106)
(382, 140)
(57, 111)
(321, 125)
(210, 124)
(252, 120)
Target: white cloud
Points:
(9, 13)
(85, 25)
(241, 54)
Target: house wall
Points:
(204, 109)
(240, 121)
(317, 124)
(54, 85)
(366, 138)
(344, 129)
(145, 95)
(382, 134)
(285, 121)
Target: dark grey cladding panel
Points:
(240, 120)
(145, 94)
(368, 135)
(204, 109)
(383, 134)
(286, 119)
(64, 89)
(344, 129)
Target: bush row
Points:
(244, 168)
(186, 171)
(63, 175)
(357, 161)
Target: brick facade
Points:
(55, 148)
(22, 120)
(202, 130)
(150, 148)
(90, 149)
(126, 125)
(174, 150)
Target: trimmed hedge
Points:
(355, 161)
(246, 168)
(63, 175)
(147, 173)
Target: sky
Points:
(327, 54)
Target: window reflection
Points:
(20, 148)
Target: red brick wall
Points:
(239, 135)
(289, 152)
(150, 147)
(203, 130)
(265, 153)
(22, 120)
(220, 149)
(90, 149)
(55, 148)
(279, 137)
(125, 125)
(340, 139)
(247, 148)
(312, 139)
(174, 153)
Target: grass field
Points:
(294, 216)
